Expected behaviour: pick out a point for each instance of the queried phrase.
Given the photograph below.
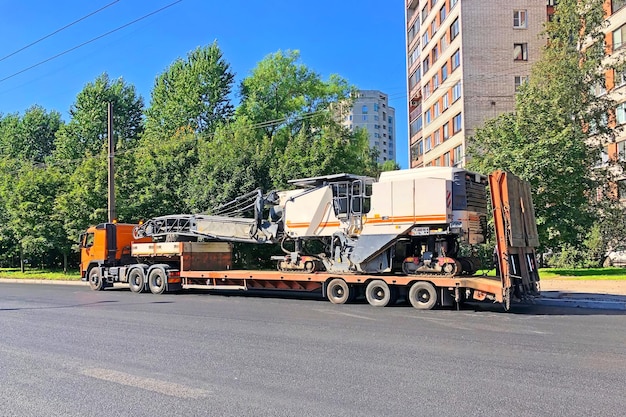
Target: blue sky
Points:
(361, 40)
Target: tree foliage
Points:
(29, 137)
(192, 94)
(86, 133)
(555, 136)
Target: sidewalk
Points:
(561, 292)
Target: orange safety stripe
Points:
(397, 219)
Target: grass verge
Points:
(31, 273)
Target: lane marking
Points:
(341, 313)
(149, 384)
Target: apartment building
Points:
(615, 39)
(465, 60)
(371, 111)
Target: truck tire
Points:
(379, 294)
(137, 280)
(423, 295)
(339, 292)
(96, 282)
(157, 281)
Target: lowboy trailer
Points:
(397, 237)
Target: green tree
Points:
(559, 126)
(192, 94)
(29, 203)
(86, 133)
(30, 136)
(298, 114)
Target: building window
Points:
(446, 159)
(427, 117)
(424, 39)
(414, 56)
(375, 106)
(617, 4)
(519, 19)
(425, 12)
(621, 151)
(427, 144)
(456, 123)
(520, 52)
(621, 189)
(435, 53)
(598, 89)
(427, 91)
(620, 113)
(415, 77)
(454, 29)
(435, 81)
(436, 110)
(390, 120)
(425, 65)
(376, 117)
(365, 117)
(456, 92)
(452, 3)
(458, 155)
(446, 131)
(436, 137)
(619, 37)
(364, 110)
(444, 72)
(417, 149)
(416, 126)
(442, 14)
(620, 78)
(519, 80)
(444, 100)
(376, 135)
(456, 60)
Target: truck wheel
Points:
(423, 295)
(157, 281)
(95, 279)
(378, 293)
(137, 280)
(338, 292)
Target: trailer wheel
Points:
(157, 281)
(423, 295)
(137, 280)
(95, 279)
(339, 292)
(379, 294)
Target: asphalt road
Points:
(68, 351)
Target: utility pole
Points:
(112, 213)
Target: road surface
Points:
(69, 351)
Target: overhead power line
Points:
(58, 30)
(90, 41)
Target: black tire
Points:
(378, 293)
(157, 281)
(339, 292)
(423, 295)
(95, 279)
(137, 280)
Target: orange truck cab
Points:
(106, 245)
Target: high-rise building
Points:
(615, 39)
(465, 60)
(371, 111)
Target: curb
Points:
(42, 281)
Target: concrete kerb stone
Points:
(43, 281)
